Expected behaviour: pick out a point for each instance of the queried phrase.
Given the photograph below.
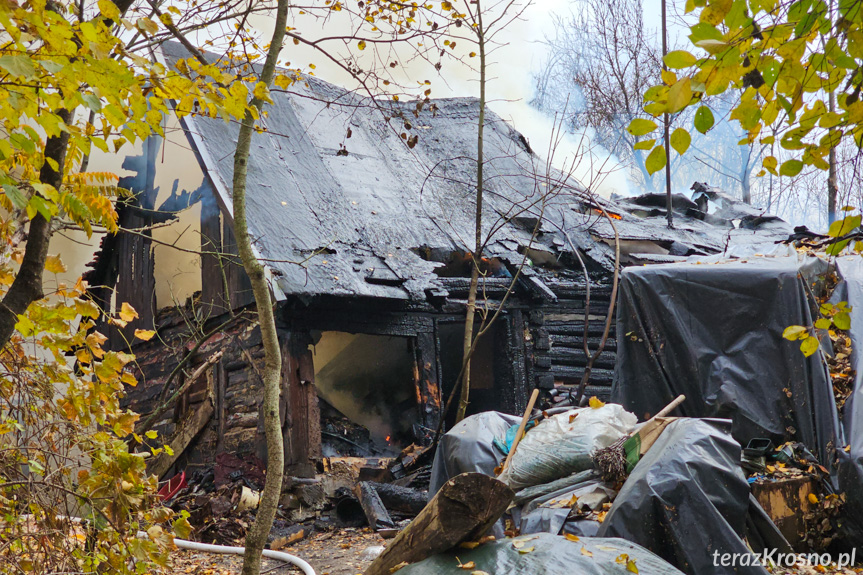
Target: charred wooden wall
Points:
(556, 356)
(543, 340)
(235, 387)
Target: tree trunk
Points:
(27, 286)
(832, 188)
(465, 508)
(257, 535)
(477, 251)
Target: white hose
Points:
(209, 548)
(269, 553)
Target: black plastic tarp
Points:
(546, 554)
(469, 447)
(686, 499)
(713, 331)
(850, 289)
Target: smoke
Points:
(518, 51)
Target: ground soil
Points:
(344, 552)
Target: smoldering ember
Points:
(414, 308)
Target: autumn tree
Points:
(795, 68)
(74, 80)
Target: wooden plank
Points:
(214, 301)
(371, 319)
(239, 286)
(188, 430)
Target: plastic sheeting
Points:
(550, 555)
(686, 499)
(713, 331)
(850, 289)
(469, 447)
(563, 444)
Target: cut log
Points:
(373, 507)
(465, 508)
(189, 429)
(401, 499)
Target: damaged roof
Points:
(339, 204)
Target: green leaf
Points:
(823, 323)
(703, 119)
(21, 66)
(679, 59)
(809, 346)
(790, 168)
(844, 226)
(644, 144)
(680, 140)
(16, 196)
(836, 249)
(641, 126)
(656, 160)
(92, 101)
(842, 320)
(793, 332)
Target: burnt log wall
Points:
(235, 386)
(556, 339)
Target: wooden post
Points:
(465, 508)
(426, 380)
(301, 418)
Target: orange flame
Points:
(611, 214)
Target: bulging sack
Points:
(563, 444)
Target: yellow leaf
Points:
(469, 544)
(152, 434)
(468, 565)
(584, 551)
(679, 95)
(282, 81)
(127, 312)
(262, 93)
(109, 10)
(54, 265)
(571, 537)
(595, 402)
(813, 499)
(630, 566)
(526, 550)
(144, 334)
(361, 45)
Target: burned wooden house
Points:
(364, 239)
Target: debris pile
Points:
(385, 494)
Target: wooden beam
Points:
(465, 508)
(426, 380)
(301, 418)
(188, 430)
